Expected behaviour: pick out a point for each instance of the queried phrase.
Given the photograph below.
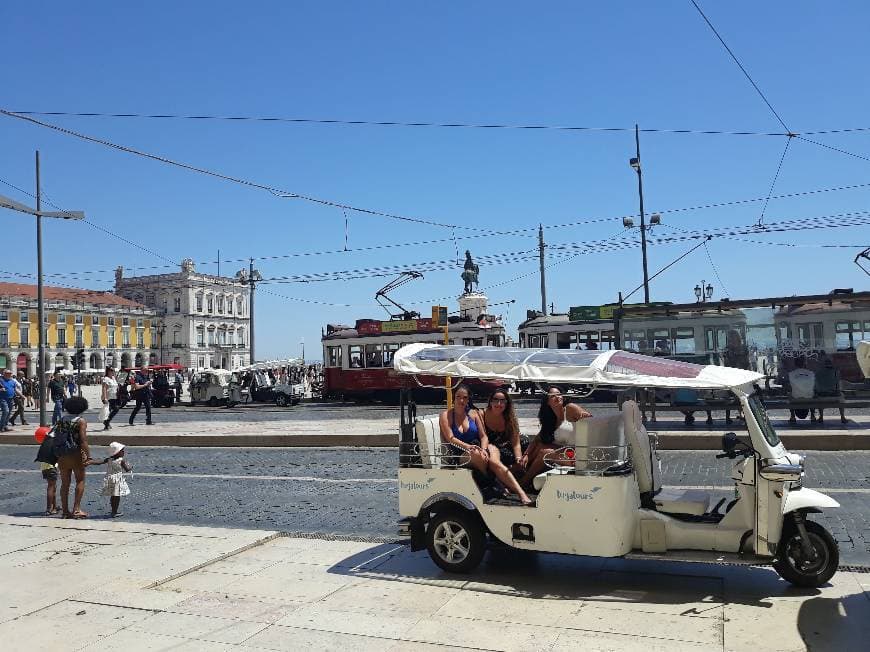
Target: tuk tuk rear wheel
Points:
(792, 564)
(281, 400)
(456, 541)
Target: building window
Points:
(211, 337)
(176, 360)
(230, 306)
(220, 305)
(61, 337)
(95, 321)
(176, 304)
(45, 317)
(111, 321)
(80, 338)
(333, 356)
(241, 336)
(200, 338)
(95, 338)
(176, 338)
(4, 336)
(24, 315)
(140, 338)
(222, 337)
(201, 361)
(111, 337)
(240, 307)
(61, 318)
(209, 304)
(80, 319)
(125, 321)
(199, 303)
(125, 337)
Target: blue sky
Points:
(582, 64)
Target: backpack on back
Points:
(66, 437)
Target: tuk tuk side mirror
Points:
(729, 441)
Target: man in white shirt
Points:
(803, 386)
(18, 401)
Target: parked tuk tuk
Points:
(209, 386)
(602, 494)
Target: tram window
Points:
(716, 337)
(635, 341)
(810, 335)
(355, 356)
(607, 340)
(389, 352)
(472, 341)
(565, 340)
(374, 356)
(848, 333)
(588, 340)
(659, 340)
(333, 356)
(684, 340)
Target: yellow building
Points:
(111, 330)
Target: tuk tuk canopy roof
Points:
(618, 368)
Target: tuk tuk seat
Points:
(647, 470)
(429, 441)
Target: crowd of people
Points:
(490, 442)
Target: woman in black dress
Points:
(506, 444)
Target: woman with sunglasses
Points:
(462, 428)
(557, 430)
(506, 444)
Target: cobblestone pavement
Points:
(353, 491)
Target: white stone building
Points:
(203, 320)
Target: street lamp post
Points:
(6, 202)
(654, 219)
(703, 292)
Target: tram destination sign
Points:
(375, 327)
(592, 313)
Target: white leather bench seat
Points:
(673, 500)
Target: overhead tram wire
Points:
(388, 123)
(773, 183)
(278, 192)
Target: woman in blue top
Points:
(462, 428)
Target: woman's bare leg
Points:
(65, 477)
(80, 489)
(505, 476)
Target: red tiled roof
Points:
(73, 295)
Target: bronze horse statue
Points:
(470, 273)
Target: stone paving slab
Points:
(326, 595)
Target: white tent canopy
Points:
(616, 368)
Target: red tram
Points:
(358, 360)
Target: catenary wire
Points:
(773, 183)
(742, 68)
(286, 194)
(389, 123)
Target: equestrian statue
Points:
(469, 273)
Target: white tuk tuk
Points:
(602, 496)
(210, 386)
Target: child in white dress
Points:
(114, 484)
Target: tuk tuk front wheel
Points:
(795, 566)
(456, 541)
(281, 400)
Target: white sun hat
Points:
(115, 448)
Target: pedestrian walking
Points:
(57, 394)
(27, 390)
(142, 393)
(7, 399)
(114, 484)
(110, 398)
(179, 381)
(71, 386)
(18, 400)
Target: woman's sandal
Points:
(79, 515)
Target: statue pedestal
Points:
(472, 305)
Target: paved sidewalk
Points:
(109, 585)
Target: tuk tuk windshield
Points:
(762, 420)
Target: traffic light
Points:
(439, 315)
(79, 359)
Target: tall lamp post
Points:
(703, 292)
(635, 164)
(6, 202)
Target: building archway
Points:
(59, 361)
(110, 359)
(95, 361)
(139, 360)
(126, 360)
(25, 363)
(152, 359)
